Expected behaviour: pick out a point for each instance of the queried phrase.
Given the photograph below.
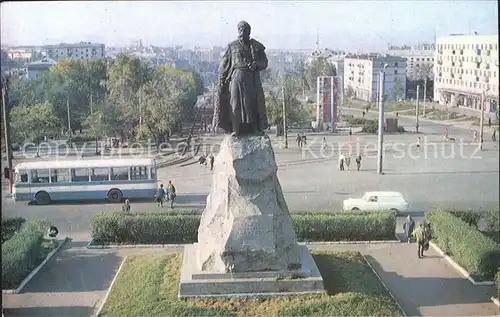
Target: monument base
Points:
(196, 283)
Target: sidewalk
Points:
(75, 282)
(428, 286)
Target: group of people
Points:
(169, 194)
(422, 234)
(301, 140)
(345, 161)
(207, 159)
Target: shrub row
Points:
(81, 138)
(474, 251)
(10, 226)
(22, 253)
(171, 228)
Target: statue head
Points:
(244, 31)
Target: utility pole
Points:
(6, 123)
(69, 120)
(425, 93)
(285, 133)
(381, 121)
(417, 109)
(481, 120)
(140, 112)
(91, 104)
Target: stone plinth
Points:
(246, 243)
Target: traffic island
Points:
(148, 285)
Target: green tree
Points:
(396, 91)
(32, 123)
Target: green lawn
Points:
(398, 106)
(147, 286)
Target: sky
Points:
(348, 25)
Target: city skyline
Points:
(353, 25)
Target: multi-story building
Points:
(361, 76)
(81, 51)
(466, 68)
(35, 69)
(419, 60)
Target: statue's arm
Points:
(261, 60)
(225, 66)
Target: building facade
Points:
(361, 77)
(81, 51)
(466, 68)
(35, 69)
(419, 60)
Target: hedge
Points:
(474, 251)
(497, 282)
(22, 253)
(10, 226)
(81, 138)
(172, 228)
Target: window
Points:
(153, 173)
(80, 174)
(99, 174)
(40, 176)
(372, 199)
(60, 175)
(138, 172)
(119, 173)
(21, 176)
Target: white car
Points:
(376, 201)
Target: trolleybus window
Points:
(21, 176)
(40, 176)
(80, 174)
(119, 173)
(99, 174)
(138, 172)
(60, 175)
(153, 173)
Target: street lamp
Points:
(381, 119)
(481, 119)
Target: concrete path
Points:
(425, 287)
(75, 282)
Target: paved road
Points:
(441, 174)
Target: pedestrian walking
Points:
(475, 136)
(427, 236)
(171, 193)
(408, 227)
(160, 195)
(418, 143)
(299, 140)
(126, 206)
(348, 161)
(358, 161)
(494, 135)
(323, 144)
(341, 161)
(489, 122)
(350, 133)
(212, 160)
(419, 236)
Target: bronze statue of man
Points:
(240, 108)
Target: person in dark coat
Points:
(240, 106)
(408, 227)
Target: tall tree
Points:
(32, 123)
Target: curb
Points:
(495, 301)
(33, 273)
(90, 245)
(385, 286)
(105, 299)
(459, 268)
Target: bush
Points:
(81, 138)
(22, 253)
(171, 228)
(11, 226)
(470, 217)
(475, 252)
(492, 218)
(497, 282)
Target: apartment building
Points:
(361, 76)
(35, 69)
(82, 51)
(466, 67)
(419, 60)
